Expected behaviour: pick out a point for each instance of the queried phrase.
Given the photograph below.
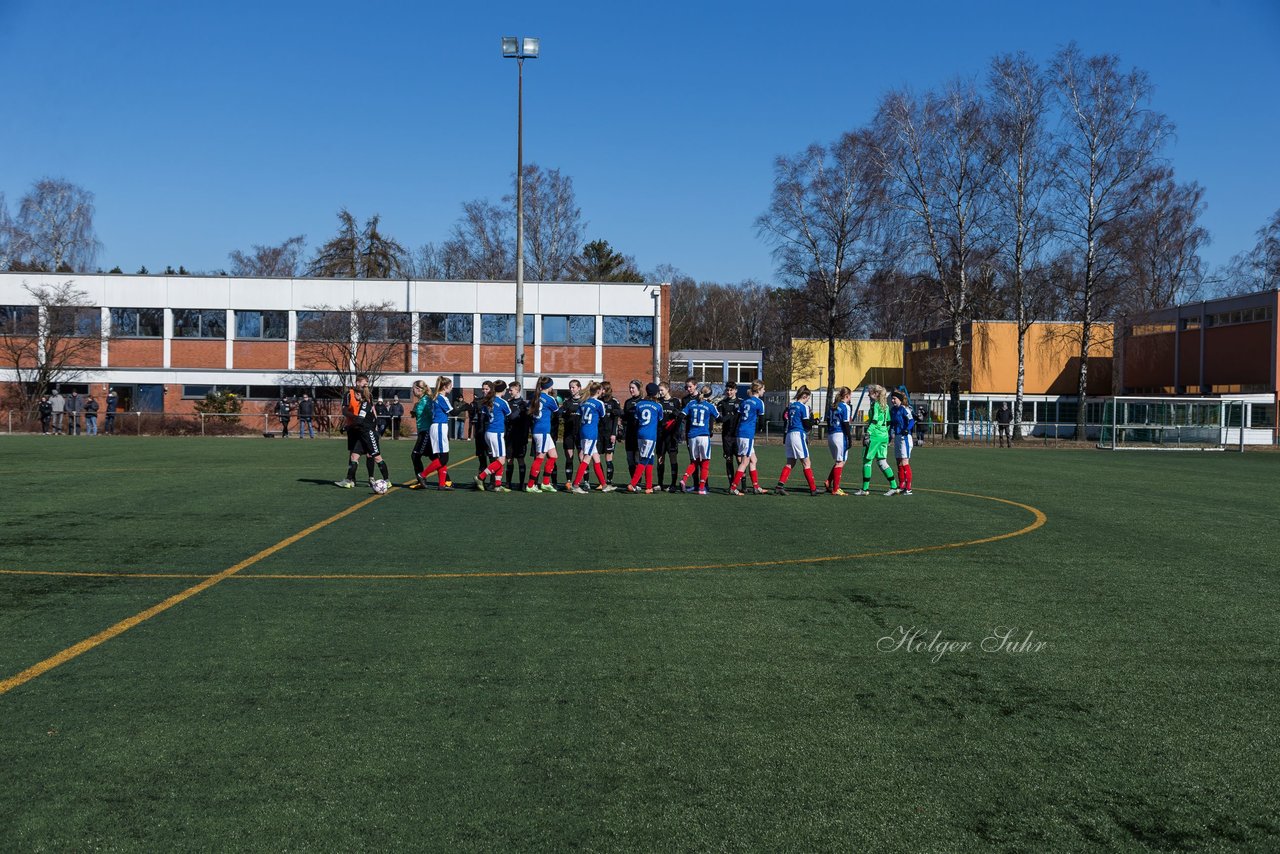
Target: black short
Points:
(517, 444)
(422, 447)
(362, 440)
(571, 441)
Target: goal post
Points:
(1172, 424)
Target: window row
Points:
(574, 330)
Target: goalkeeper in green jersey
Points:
(876, 441)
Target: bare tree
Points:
(336, 344)
(356, 253)
(269, 261)
(936, 155)
(54, 228)
(1259, 268)
(56, 340)
(824, 226)
(1159, 242)
(8, 237)
(1020, 105)
(1109, 139)
(553, 226)
(482, 245)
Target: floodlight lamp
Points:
(510, 47)
(530, 49)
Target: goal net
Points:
(1172, 424)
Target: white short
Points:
(836, 444)
(746, 447)
(646, 448)
(586, 447)
(497, 444)
(439, 438)
(543, 443)
(902, 445)
(700, 448)
(797, 445)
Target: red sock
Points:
(534, 472)
(782, 478)
(755, 479)
(547, 469)
(737, 479)
(648, 477)
(435, 465)
(835, 478)
(808, 475)
(495, 469)
(689, 471)
(907, 467)
(442, 474)
(599, 470)
(635, 476)
(577, 478)
(705, 474)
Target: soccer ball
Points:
(381, 486)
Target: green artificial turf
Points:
(437, 699)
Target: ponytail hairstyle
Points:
(664, 391)
(535, 408)
(494, 390)
(638, 386)
(841, 393)
(442, 384)
(421, 389)
(802, 392)
(593, 388)
(757, 387)
(572, 394)
(704, 392)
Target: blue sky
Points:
(204, 128)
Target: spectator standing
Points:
(113, 401)
(396, 411)
(920, 426)
(380, 411)
(90, 415)
(285, 413)
(1004, 417)
(46, 414)
(306, 411)
(58, 405)
(74, 404)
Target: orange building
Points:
(990, 359)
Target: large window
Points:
(18, 319)
(137, 322)
(324, 326)
(262, 325)
(384, 326)
(445, 328)
(501, 329)
(75, 321)
(568, 329)
(199, 323)
(629, 330)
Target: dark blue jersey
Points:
(749, 412)
(648, 418)
(542, 424)
(590, 414)
(700, 415)
(797, 414)
(498, 416)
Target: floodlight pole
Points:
(519, 54)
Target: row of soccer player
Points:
(651, 423)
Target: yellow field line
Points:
(124, 625)
(1039, 520)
